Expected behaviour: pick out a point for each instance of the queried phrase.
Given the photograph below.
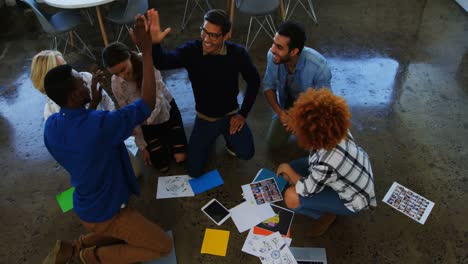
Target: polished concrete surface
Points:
(401, 65)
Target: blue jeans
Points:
(326, 201)
(203, 137)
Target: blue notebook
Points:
(264, 174)
(206, 182)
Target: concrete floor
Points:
(402, 66)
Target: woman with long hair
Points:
(161, 137)
(48, 59)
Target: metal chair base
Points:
(54, 44)
(309, 9)
(269, 28)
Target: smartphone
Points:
(216, 211)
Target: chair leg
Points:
(309, 9)
(186, 18)
(248, 34)
(66, 44)
(84, 45)
(312, 12)
(269, 28)
(292, 9)
(120, 32)
(128, 32)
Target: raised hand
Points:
(157, 35)
(96, 92)
(141, 33)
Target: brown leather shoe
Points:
(60, 254)
(321, 225)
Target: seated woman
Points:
(162, 136)
(48, 59)
(336, 178)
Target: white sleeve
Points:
(50, 108)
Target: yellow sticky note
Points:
(215, 242)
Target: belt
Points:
(213, 119)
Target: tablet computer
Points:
(216, 211)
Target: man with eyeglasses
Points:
(213, 66)
(291, 70)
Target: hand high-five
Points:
(156, 34)
(141, 35)
(96, 92)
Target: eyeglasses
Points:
(212, 36)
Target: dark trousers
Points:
(203, 137)
(163, 140)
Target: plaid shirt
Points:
(346, 169)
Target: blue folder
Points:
(264, 174)
(206, 182)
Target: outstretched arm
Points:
(157, 35)
(142, 38)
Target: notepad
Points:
(206, 182)
(264, 174)
(215, 242)
(65, 199)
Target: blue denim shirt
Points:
(89, 145)
(311, 71)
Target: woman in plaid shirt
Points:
(336, 178)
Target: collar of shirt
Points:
(222, 51)
(300, 62)
(72, 111)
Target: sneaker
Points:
(230, 151)
(321, 225)
(88, 255)
(60, 254)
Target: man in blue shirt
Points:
(291, 70)
(90, 145)
(214, 66)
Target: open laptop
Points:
(309, 255)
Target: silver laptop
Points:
(309, 255)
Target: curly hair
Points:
(320, 119)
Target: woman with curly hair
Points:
(336, 178)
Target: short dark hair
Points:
(115, 53)
(58, 83)
(219, 18)
(295, 32)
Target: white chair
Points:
(309, 9)
(259, 11)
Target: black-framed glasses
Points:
(211, 35)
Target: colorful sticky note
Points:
(215, 242)
(65, 199)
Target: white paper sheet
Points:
(174, 186)
(249, 244)
(408, 202)
(131, 146)
(274, 250)
(246, 216)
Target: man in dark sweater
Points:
(213, 66)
